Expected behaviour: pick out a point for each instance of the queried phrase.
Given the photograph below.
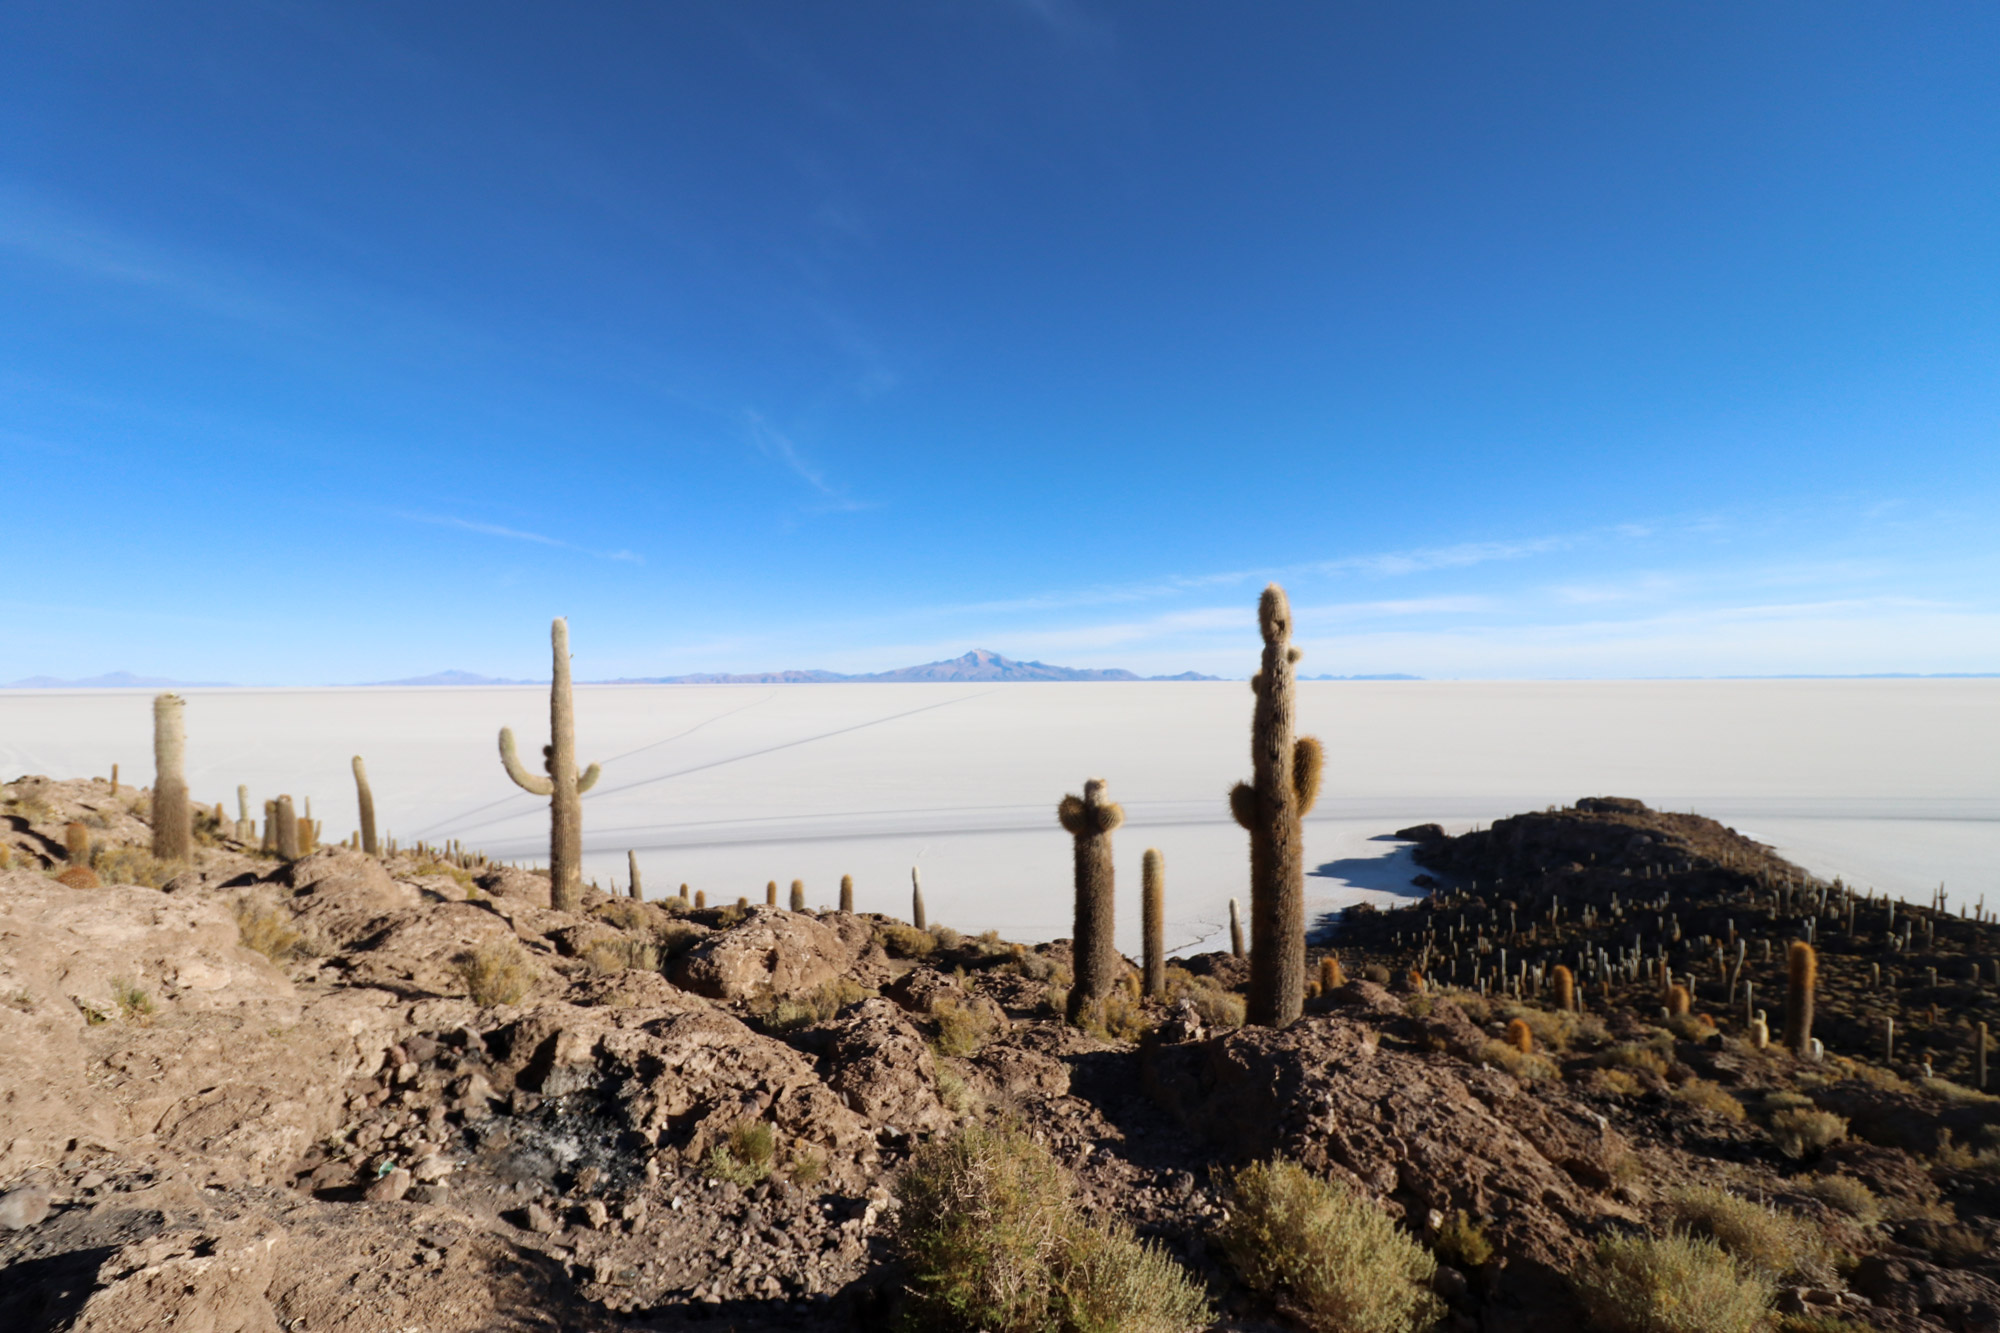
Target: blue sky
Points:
(346, 341)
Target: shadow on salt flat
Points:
(1339, 884)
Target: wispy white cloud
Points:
(776, 445)
(519, 535)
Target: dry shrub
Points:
(1462, 1242)
(1618, 1082)
(744, 1159)
(625, 953)
(1691, 1027)
(1801, 1133)
(1473, 1005)
(1849, 1195)
(1526, 1067)
(1675, 1283)
(961, 1028)
(623, 913)
(269, 930)
(1706, 1096)
(1328, 1256)
(1771, 1244)
(133, 1004)
(1553, 1028)
(1119, 1016)
(497, 972)
(133, 865)
(1958, 1093)
(1040, 967)
(820, 1005)
(993, 1240)
(902, 941)
(1218, 1008)
(1632, 1055)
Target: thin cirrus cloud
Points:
(776, 445)
(518, 535)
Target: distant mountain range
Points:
(978, 665)
(456, 678)
(113, 680)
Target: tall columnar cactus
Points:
(76, 844)
(1801, 978)
(637, 891)
(270, 843)
(1153, 922)
(917, 900)
(798, 895)
(847, 893)
(560, 782)
(366, 796)
(246, 827)
(173, 819)
(1284, 783)
(771, 893)
(1565, 988)
(288, 830)
(1090, 820)
(1235, 930)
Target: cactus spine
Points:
(366, 795)
(1284, 784)
(632, 869)
(1801, 976)
(798, 895)
(1235, 930)
(847, 893)
(562, 784)
(173, 820)
(1090, 820)
(917, 900)
(288, 830)
(1153, 921)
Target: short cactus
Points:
(1235, 930)
(1565, 988)
(173, 818)
(1331, 975)
(288, 830)
(366, 796)
(76, 844)
(1520, 1036)
(1678, 1000)
(114, 779)
(1801, 978)
(561, 783)
(847, 893)
(917, 900)
(798, 895)
(246, 827)
(771, 893)
(1283, 786)
(1090, 820)
(636, 892)
(700, 899)
(270, 843)
(1153, 922)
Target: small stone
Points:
(541, 1220)
(433, 1194)
(389, 1188)
(596, 1215)
(90, 1180)
(24, 1207)
(431, 1169)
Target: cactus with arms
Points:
(561, 782)
(1271, 806)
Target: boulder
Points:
(773, 952)
(881, 1066)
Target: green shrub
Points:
(1767, 1242)
(1801, 1133)
(1325, 1253)
(993, 1241)
(745, 1158)
(1670, 1284)
(1849, 1195)
(820, 1005)
(497, 972)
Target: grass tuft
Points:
(745, 1158)
(1675, 1283)
(269, 930)
(497, 972)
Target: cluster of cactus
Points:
(560, 781)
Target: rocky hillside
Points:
(345, 1092)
